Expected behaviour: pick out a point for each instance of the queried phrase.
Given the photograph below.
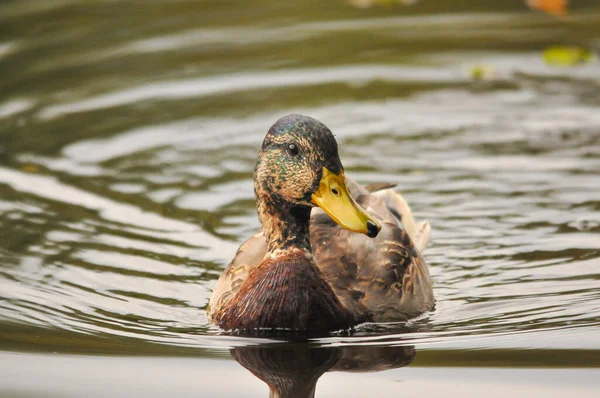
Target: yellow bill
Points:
(333, 197)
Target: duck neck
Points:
(285, 225)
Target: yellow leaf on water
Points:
(567, 56)
(482, 72)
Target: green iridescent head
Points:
(299, 167)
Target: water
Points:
(128, 138)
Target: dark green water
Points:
(128, 135)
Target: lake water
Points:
(128, 137)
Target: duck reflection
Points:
(292, 370)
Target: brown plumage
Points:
(303, 271)
(294, 295)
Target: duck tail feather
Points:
(396, 205)
(423, 236)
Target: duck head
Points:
(299, 168)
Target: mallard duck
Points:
(321, 262)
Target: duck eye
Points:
(292, 149)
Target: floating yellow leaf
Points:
(567, 56)
(554, 7)
(483, 72)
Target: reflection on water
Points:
(294, 369)
(128, 141)
(289, 372)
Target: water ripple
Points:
(122, 199)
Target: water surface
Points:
(128, 136)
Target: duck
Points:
(331, 254)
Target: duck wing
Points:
(385, 277)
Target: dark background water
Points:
(128, 135)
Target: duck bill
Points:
(333, 197)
